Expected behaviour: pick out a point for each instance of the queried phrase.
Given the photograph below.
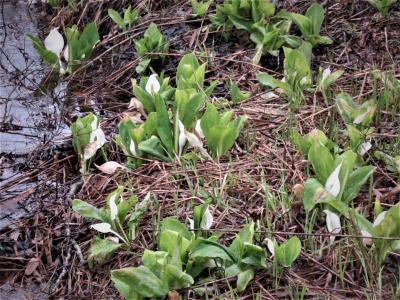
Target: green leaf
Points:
(48, 56)
(200, 7)
(253, 255)
(321, 160)
(288, 252)
(144, 97)
(314, 193)
(271, 82)
(143, 65)
(356, 179)
(101, 250)
(142, 280)
(208, 249)
(316, 14)
(164, 125)
(88, 211)
(116, 17)
(174, 225)
(176, 278)
(243, 279)
(153, 147)
(236, 94)
(388, 227)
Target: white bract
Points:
(270, 246)
(332, 184)
(207, 220)
(113, 208)
(196, 143)
(96, 140)
(364, 148)
(332, 223)
(106, 228)
(136, 104)
(110, 167)
(54, 42)
(132, 148)
(199, 130)
(182, 137)
(379, 219)
(152, 85)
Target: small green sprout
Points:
(297, 75)
(382, 6)
(200, 8)
(152, 41)
(130, 17)
(310, 24)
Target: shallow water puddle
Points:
(30, 119)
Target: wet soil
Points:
(30, 109)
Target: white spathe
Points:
(132, 148)
(196, 143)
(207, 219)
(113, 208)
(199, 130)
(106, 228)
(332, 223)
(367, 237)
(182, 137)
(364, 148)
(379, 219)
(332, 184)
(54, 42)
(66, 53)
(102, 227)
(110, 167)
(152, 85)
(96, 140)
(270, 246)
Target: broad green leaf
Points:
(116, 17)
(253, 255)
(243, 279)
(356, 179)
(271, 82)
(176, 278)
(101, 250)
(174, 225)
(89, 211)
(208, 249)
(321, 160)
(288, 251)
(155, 261)
(209, 119)
(314, 193)
(152, 146)
(142, 280)
(316, 14)
(48, 56)
(163, 125)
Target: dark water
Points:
(30, 118)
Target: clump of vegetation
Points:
(382, 5)
(130, 16)
(200, 8)
(79, 47)
(153, 41)
(310, 24)
(297, 75)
